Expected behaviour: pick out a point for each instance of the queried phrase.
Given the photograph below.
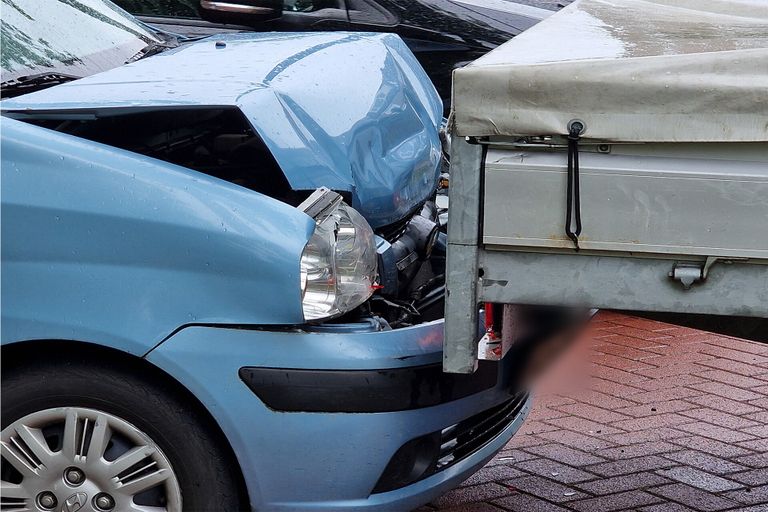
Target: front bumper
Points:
(323, 460)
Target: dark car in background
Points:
(443, 34)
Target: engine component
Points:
(401, 259)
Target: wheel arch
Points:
(19, 354)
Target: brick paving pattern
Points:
(667, 419)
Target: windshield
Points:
(69, 37)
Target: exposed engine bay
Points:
(412, 270)
(221, 143)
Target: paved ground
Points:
(669, 419)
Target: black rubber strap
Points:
(573, 194)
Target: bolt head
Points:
(74, 476)
(104, 502)
(47, 500)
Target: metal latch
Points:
(687, 273)
(690, 273)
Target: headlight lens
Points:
(338, 265)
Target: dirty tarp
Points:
(632, 70)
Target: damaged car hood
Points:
(350, 111)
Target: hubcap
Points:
(74, 459)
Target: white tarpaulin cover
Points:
(632, 70)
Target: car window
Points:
(71, 37)
(171, 8)
(309, 5)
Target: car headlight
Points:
(338, 265)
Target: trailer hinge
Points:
(691, 273)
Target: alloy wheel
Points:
(75, 459)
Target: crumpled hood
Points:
(350, 111)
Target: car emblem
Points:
(75, 502)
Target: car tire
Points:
(198, 471)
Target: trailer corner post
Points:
(460, 342)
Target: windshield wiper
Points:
(167, 40)
(32, 83)
(153, 49)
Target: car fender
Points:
(108, 246)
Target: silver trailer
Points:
(613, 156)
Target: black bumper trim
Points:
(365, 391)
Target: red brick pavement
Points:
(666, 419)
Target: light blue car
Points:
(222, 273)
